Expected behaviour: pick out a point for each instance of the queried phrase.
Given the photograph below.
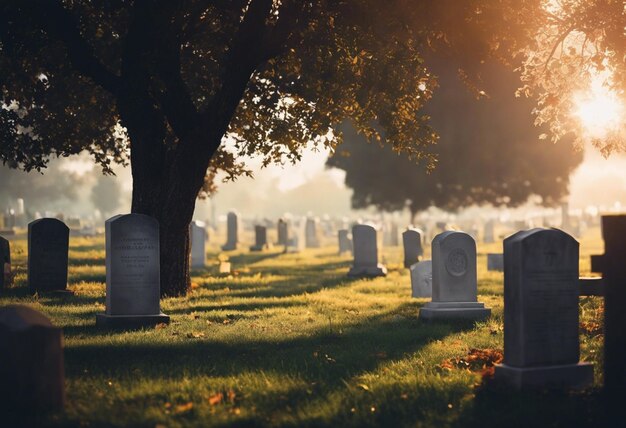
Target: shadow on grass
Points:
(253, 257)
(91, 261)
(85, 248)
(331, 355)
(243, 307)
(497, 405)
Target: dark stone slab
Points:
(5, 263)
(495, 262)
(412, 243)
(31, 360)
(260, 239)
(591, 286)
(613, 269)
(232, 232)
(48, 246)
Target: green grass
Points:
(289, 340)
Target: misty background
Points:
(76, 187)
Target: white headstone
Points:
(541, 292)
(454, 279)
(422, 279)
(132, 272)
(198, 236)
(365, 248)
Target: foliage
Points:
(489, 152)
(304, 66)
(574, 43)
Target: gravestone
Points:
(282, 232)
(311, 237)
(48, 246)
(232, 232)
(495, 262)
(422, 279)
(611, 265)
(31, 360)
(412, 242)
(345, 243)
(365, 248)
(198, 235)
(132, 273)
(260, 239)
(541, 291)
(5, 260)
(489, 232)
(454, 279)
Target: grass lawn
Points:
(290, 340)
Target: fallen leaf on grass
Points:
(221, 397)
(194, 285)
(477, 360)
(363, 387)
(216, 398)
(160, 326)
(590, 327)
(183, 408)
(195, 335)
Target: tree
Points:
(165, 83)
(488, 152)
(574, 43)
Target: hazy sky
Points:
(309, 187)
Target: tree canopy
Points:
(489, 151)
(183, 89)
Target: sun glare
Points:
(599, 110)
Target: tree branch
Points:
(242, 59)
(59, 23)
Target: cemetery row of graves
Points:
(356, 331)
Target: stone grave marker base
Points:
(576, 376)
(454, 310)
(130, 321)
(367, 271)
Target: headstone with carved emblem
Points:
(454, 279)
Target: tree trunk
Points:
(173, 209)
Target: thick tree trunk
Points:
(165, 186)
(173, 209)
(169, 195)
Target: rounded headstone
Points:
(31, 360)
